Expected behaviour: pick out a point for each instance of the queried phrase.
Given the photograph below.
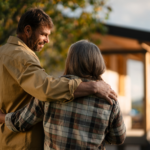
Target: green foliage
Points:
(67, 29)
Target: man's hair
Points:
(85, 60)
(34, 17)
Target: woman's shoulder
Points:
(77, 77)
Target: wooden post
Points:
(122, 70)
(147, 93)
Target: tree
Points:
(68, 26)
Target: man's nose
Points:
(47, 39)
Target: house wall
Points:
(115, 76)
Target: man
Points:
(22, 78)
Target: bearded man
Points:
(23, 78)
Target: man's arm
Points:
(116, 130)
(24, 118)
(46, 88)
(35, 81)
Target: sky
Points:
(126, 13)
(130, 13)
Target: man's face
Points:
(38, 38)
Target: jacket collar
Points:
(16, 41)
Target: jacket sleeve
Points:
(25, 118)
(36, 82)
(116, 132)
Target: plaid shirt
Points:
(83, 124)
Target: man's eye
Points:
(43, 34)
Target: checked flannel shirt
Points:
(83, 124)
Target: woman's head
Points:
(85, 60)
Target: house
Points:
(121, 48)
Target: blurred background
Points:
(121, 29)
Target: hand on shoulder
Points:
(105, 91)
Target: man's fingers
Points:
(105, 91)
(109, 100)
(114, 93)
(112, 96)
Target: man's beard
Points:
(32, 43)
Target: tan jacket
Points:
(22, 77)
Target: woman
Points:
(83, 124)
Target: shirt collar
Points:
(17, 41)
(77, 77)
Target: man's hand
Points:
(104, 91)
(100, 89)
(2, 117)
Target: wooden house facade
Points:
(119, 47)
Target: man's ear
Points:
(28, 31)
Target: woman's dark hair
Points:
(34, 17)
(84, 60)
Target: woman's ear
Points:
(28, 31)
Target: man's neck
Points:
(22, 37)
